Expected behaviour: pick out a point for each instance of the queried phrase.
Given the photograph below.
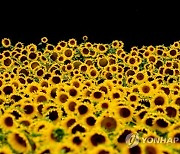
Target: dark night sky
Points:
(133, 38)
(134, 25)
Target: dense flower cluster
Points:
(86, 98)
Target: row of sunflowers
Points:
(87, 97)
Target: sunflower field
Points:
(86, 98)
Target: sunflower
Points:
(172, 111)
(8, 122)
(69, 122)
(132, 61)
(115, 94)
(102, 150)
(76, 83)
(176, 100)
(133, 98)
(88, 45)
(125, 113)
(140, 77)
(19, 45)
(120, 138)
(25, 122)
(108, 123)
(85, 38)
(140, 115)
(93, 73)
(30, 110)
(161, 124)
(96, 138)
(41, 96)
(62, 97)
(101, 48)
(152, 148)
(32, 88)
(40, 126)
(72, 42)
(64, 148)
(97, 95)
(175, 136)
(68, 53)
(53, 115)
(160, 99)
(44, 39)
(6, 42)
(85, 52)
(62, 44)
(173, 53)
(102, 62)
(18, 141)
(5, 150)
(135, 149)
(115, 44)
(45, 149)
(31, 48)
(84, 109)
(146, 89)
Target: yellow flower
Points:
(140, 76)
(161, 124)
(93, 73)
(7, 122)
(155, 148)
(97, 95)
(160, 99)
(88, 45)
(101, 48)
(31, 47)
(25, 122)
(62, 44)
(72, 42)
(66, 148)
(6, 42)
(115, 44)
(18, 141)
(95, 138)
(5, 150)
(30, 110)
(85, 38)
(53, 115)
(44, 39)
(146, 89)
(68, 53)
(125, 113)
(19, 45)
(46, 148)
(102, 149)
(40, 126)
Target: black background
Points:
(130, 38)
(134, 24)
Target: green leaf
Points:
(131, 124)
(161, 134)
(35, 135)
(124, 82)
(58, 134)
(36, 79)
(141, 66)
(120, 60)
(97, 113)
(110, 51)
